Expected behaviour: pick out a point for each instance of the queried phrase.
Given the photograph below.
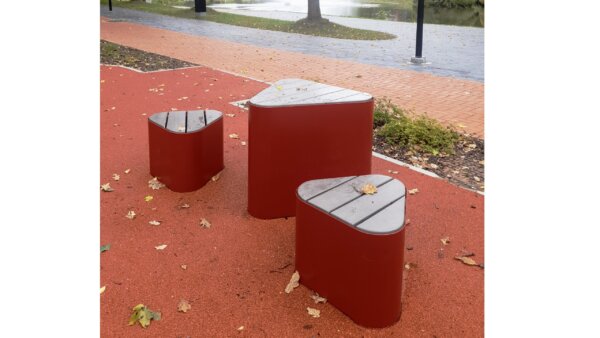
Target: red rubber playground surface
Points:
(237, 270)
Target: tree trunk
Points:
(314, 10)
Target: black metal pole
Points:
(110, 5)
(420, 15)
(200, 6)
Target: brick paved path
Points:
(447, 99)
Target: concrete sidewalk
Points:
(446, 99)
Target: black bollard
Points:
(200, 6)
(419, 50)
(110, 5)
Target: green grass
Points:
(414, 132)
(323, 28)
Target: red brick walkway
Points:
(446, 99)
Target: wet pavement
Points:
(450, 50)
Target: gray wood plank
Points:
(368, 205)
(160, 119)
(387, 220)
(212, 116)
(290, 92)
(176, 121)
(346, 192)
(195, 120)
(310, 189)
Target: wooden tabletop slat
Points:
(160, 119)
(195, 120)
(176, 121)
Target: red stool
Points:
(350, 246)
(302, 130)
(186, 148)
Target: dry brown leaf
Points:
(205, 223)
(131, 214)
(433, 166)
(234, 136)
(127, 171)
(293, 282)
(392, 171)
(466, 260)
(154, 222)
(241, 328)
(445, 240)
(368, 189)
(160, 247)
(313, 312)
(230, 115)
(155, 184)
(216, 177)
(106, 187)
(183, 306)
(183, 206)
(116, 177)
(184, 267)
(102, 289)
(318, 299)
(413, 191)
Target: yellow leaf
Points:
(368, 189)
(148, 198)
(466, 260)
(160, 247)
(313, 312)
(183, 306)
(293, 282)
(413, 191)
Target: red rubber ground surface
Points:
(237, 270)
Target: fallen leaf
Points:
(392, 171)
(476, 178)
(445, 240)
(106, 187)
(154, 222)
(160, 247)
(102, 289)
(243, 143)
(313, 312)
(465, 260)
(105, 247)
(183, 206)
(241, 328)
(148, 198)
(143, 315)
(204, 223)
(131, 214)
(279, 87)
(413, 191)
(183, 306)
(318, 299)
(293, 282)
(433, 166)
(184, 267)
(116, 177)
(181, 128)
(472, 145)
(127, 171)
(481, 162)
(155, 184)
(358, 76)
(234, 136)
(368, 189)
(216, 177)
(460, 125)
(230, 115)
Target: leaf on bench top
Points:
(368, 189)
(313, 312)
(293, 282)
(116, 177)
(155, 184)
(106, 187)
(204, 223)
(131, 214)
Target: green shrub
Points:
(419, 132)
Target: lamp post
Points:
(200, 7)
(418, 58)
